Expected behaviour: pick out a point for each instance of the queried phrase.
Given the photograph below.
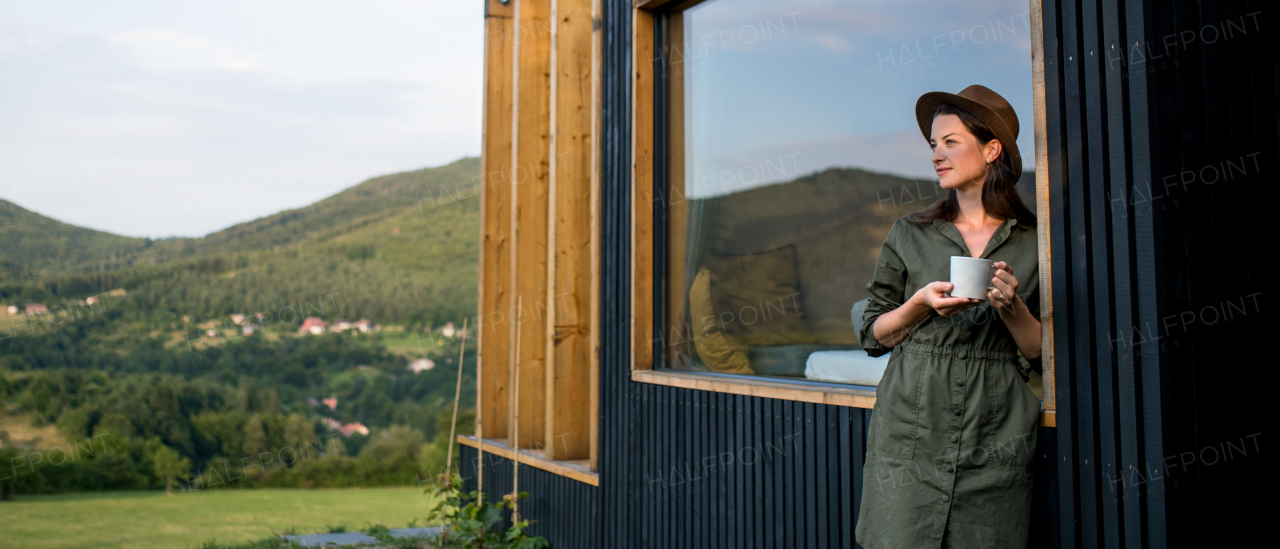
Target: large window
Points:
(785, 147)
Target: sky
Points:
(776, 90)
(162, 119)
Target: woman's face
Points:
(958, 158)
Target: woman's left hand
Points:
(1005, 294)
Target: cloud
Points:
(159, 50)
(174, 112)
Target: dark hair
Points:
(999, 192)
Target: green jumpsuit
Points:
(953, 431)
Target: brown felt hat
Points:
(987, 105)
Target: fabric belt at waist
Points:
(956, 351)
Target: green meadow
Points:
(189, 519)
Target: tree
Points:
(169, 464)
(300, 434)
(114, 423)
(19, 474)
(271, 404)
(255, 437)
(335, 449)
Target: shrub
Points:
(470, 521)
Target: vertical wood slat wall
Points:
(1139, 95)
(570, 270)
(493, 328)
(1214, 151)
(530, 185)
(1105, 280)
(539, 210)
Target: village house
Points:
(352, 428)
(237, 319)
(36, 309)
(347, 429)
(364, 325)
(311, 325)
(422, 364)
(331, 402)
(13, 309)
(340, 325)
(448, 330)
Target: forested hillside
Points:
(33, 246)
(397, 248)
(139, 355)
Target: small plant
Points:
(469, 521)
(380, 533)
(265, 543)
(336, 529)
(388, 541)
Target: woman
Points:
(954, 427)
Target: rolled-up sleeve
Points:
(887, 289)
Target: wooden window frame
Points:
(540, 245)
(644, 260)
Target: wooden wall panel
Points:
(641, 197)
(676, 331)
(1038, 106)
(494, 327)
(597, 226)
(571, 201)
(530, 180)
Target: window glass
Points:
(792, 147)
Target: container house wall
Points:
(687, 468)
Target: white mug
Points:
(971, 277)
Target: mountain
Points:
(34, 245)
(349, 211)
(393, 248)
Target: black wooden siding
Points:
(1217, 104)
(691, 469)
(1131, 253)
(566, 510)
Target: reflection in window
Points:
(791, 148)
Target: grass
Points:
(234, 518)
(407, 344)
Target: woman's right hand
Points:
(892, 327)
(934, 296)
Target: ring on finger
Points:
(1000, 296)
